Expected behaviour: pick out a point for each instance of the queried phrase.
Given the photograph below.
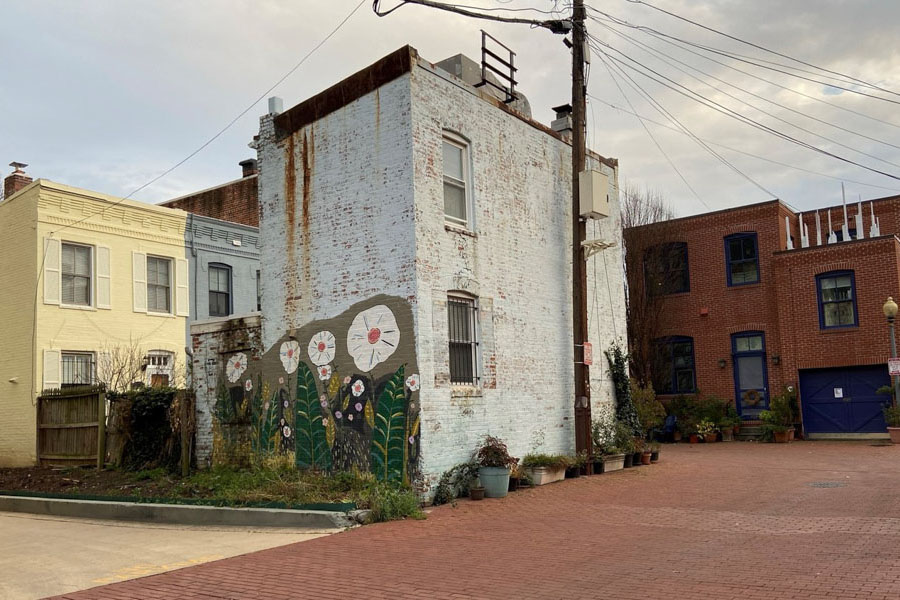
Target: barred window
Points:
(76, 275)
(77, 369)
(463, 321)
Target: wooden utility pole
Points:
(579, 271)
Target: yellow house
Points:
(93, 289)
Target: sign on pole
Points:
(588, 354)
(893, 366)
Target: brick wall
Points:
(236, 201)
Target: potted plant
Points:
(654, 452)
(646, 455)
(892, 417)
(494, 463)
(577, 464)
(778, 421)
(476, 490)
(545, 468)
(707, 430)
(625, 443)
(726, 428)
(731, 413)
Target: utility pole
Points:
(579, 229)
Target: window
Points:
(666, 269)
(463, 318)
(258, 291)
(837, 299)
(77, 369)
(456, 181)
(159, 368)
(159, 284)
(76, 275)
(674, 366)
(219, 290)
(742, 259)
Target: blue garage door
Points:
(844, 400)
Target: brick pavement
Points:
(723, 521)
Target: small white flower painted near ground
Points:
(248, 385)
(290, 355)
(286, 431)
(324, 372)
(281, 381)
(324, 422)
(285, 403)
(349, 417)
(412, 382)
(358, 388)
(347, 379)
(236, 366)
(321, 348)
(266, 405)
(373, 337)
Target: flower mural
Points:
(290, 355)
(373, 337)
(321, 348)
(412, 382)
(324, 372)
(236, 366)
(358, 388)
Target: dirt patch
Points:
(91, 482)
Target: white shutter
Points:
(182, 299)
(52, 369)
(103, 278)
(52, 276)
(139, 279)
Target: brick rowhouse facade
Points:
(783, 305)
(236, 201)
(352, 206)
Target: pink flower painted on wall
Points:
(290, 355)
(236, 366)
(321, 348)
(373, 337)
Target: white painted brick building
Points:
(352, 197)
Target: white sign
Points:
(893, 366)
(838, 392)
(588, 354)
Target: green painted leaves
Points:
(312, 449)
(388, 435)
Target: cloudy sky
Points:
(108, 94)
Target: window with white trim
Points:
(77, 369)
(159, 284)
(219, 290)
(462, 315)
(76, 275)
(159, 368)
(457, 181)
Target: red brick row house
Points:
(754, 299)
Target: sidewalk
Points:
(809, 520)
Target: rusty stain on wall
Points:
(290, 213)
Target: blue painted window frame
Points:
(658, 261)
(831, 275)
(670, 343)
(735, 354)
(731, 261)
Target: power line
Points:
(703, 100)
(744, 152)
(555, 25)
(763, 48)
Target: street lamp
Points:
(890, 311)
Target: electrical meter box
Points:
(593, 194)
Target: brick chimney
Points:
(250, 167)
(16, 181)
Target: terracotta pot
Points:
(710, 438)
(791, 434)
(645, 457)
(782, 437)
(694, 438)
(676, 435)
(895, 434)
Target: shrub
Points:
(618, 368)
(455, 482)
(493, 453)
(706, 427)
(650, 411)
(552, 461)
(624, 438)
(892, 415)
(390, 503)
(603, 436)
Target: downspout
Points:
(194, 284)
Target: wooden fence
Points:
(71, 425)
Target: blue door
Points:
(751, 380)
(844, 400)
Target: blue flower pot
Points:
(495, 481)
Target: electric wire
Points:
(744, 152)
(703, 100)
(763, 48)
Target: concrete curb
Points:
(178, 514)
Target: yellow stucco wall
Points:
(124, 229)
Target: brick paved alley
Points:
(809, 520)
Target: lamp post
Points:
(890, 311)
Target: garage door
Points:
(844, 400)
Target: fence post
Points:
(101, 429)
(185, 434)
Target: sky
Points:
(108, 94)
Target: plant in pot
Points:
(457, 481)
(778, 421)
(608, 455)
(707, 430)
(650, 411)
(546, 468)
(476, 490)
(892, 417)
(638, 453)
(494, 464)
(624, 443)
(654, 452)
(646, 454)
(577, 464)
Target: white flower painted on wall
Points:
(321, 348)
(290, 355)
(358, 388)
(236, 366)
(412, 382)
(373, 337)
(324, 372)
